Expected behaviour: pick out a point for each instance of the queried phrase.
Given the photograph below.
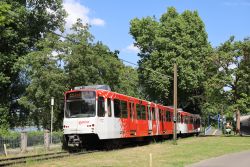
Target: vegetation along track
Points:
(39, 157)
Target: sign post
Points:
(51, 126)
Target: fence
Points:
(31, 141)
(10, 143)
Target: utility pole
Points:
(175, 103)
(51, 125)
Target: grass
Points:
(187, 151)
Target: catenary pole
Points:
(175, 104)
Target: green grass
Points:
(187, 151)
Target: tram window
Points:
(143, 112)
(153, 113)
(117, 109)
(109, 107)
(101, 107)
(191, 120)
(138, 110)
(160, 114)
(182, 119)
(194, 121)
(168, 116)
(124, 111)
(178, 117)
(198, 122)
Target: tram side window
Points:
(178, 117)
(117, 108)
(191, 120)
(101, 107)
(186, 119)
(168, 116)
(194, 121)
(198, 122)
(160, 114)
(182, 119)
(124, 111)
(143, 112)
(138, 110)
(109, 107)
(153, 113)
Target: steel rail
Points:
(39, 157)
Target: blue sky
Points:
(110, 19)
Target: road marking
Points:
(215, 131)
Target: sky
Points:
(110, 19)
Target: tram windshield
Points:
(80, 104)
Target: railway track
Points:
(39, 157)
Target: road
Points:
(241, 159)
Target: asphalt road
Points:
(241, 159)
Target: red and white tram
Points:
(94, 113)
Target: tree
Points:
(89, 63)
(22, 24)
(228, 77)
(129, 82)
(47, 79)
(175, 38)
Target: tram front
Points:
(79, 116)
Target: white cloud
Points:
(97, 22)
(132, 49)
(76, 10)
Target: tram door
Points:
(149, 120)
(132, 118)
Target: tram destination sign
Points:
(74, 95)
(80, 94)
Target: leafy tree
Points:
(89, 63)
(129, 82)
(47, 79)
(22, 24)
(228, 80)
(175, 38)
